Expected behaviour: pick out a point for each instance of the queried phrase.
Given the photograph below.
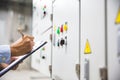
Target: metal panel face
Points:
(42, 31)
(113, 7)
(65, 39)
(92, 39)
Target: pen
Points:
(20, 31)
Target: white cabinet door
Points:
(92, 32)
(65, 39)
(113, 7)
(41, 60)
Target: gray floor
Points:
(24, 75)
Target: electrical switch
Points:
(65, 27)
(66, 40)
(62, 42)
(58, 30)
(43, 48)
(58, 44)
(61, 29)
(54, 28)
(44, 11)
(43, 57)
(44, 7)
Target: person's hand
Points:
(4, 65)
(22, 46)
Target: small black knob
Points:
(62, 42)
(43, 57)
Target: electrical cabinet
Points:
(83, 39)
(113, 33)
(42, 31)
(92, 39)
(66, 36)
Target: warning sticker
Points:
(117, 21)
(87, 48)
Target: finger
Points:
(30, 37)
(4, 65)
(30, 41)
(13, 59)
(14, 68)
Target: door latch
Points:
(103, 74)
(50, 69)
(78, 70)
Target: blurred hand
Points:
(4, 65)
(22, 46)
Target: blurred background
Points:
(15, 14)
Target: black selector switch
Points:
(62, 42)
